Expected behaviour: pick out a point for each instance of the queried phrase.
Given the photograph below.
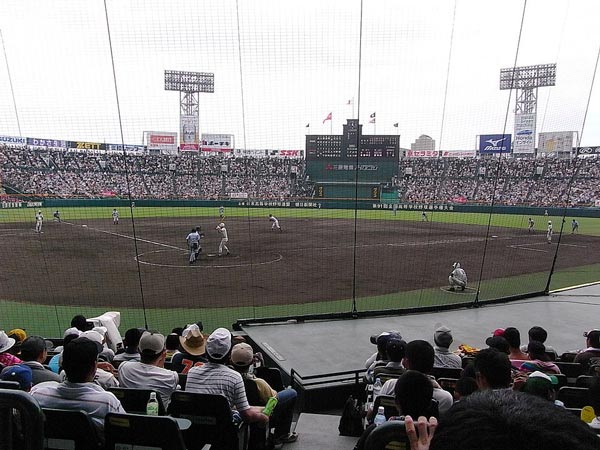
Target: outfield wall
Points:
(362, 204)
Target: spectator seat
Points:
(390, 435)
(72, 429)
(211, 421)
(134, 400)
(31, 421)
(135, 431)
(574, 397)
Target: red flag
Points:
(327, 118)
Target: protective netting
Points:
(354, 151)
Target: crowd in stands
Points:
(80, 373)
(434, 390)
(506, 181)
(90, 175)
(508, 395)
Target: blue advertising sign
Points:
(55, 143)
(494, 143)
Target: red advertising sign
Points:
(162, 139)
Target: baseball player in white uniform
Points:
(115, 216)
(274, 223)
(193, 241)
(574, 226)
(39, 221)
(457, 278)
(530, 224)
(549, 232)
(224, 239)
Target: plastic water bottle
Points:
(377, 388)
(152, 405)
(380, 417)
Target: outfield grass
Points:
(587, 225)
(52, 320)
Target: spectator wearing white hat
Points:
(6, 343)
(443, 357)
(149, 372)
(216, 378)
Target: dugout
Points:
(348, 190)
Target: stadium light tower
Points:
(189, 85)
(526, 80)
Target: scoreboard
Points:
(352, 144)
(352, 156)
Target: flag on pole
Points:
(327, 118)
(307, 125)
(372, 120)
(396, 125)
(372, 116)
(350, 102)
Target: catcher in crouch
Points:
(457, 278)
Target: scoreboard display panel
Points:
(338, 158)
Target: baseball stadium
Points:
(297, 173)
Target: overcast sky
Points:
(299, 61)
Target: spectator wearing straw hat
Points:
(193, 350)
(6, 343)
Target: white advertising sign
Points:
(556, 141)
(189, 133)
(217, 143)
(524, 139)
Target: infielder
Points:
(549, 232)
(457, 278)
(424, 217)
(115, 216)
(274, 223)
(222, 212)
(224, 239)
(530, 224)
(574, 226)
(57, 216)
(193, 241)
(39, 221)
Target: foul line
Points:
(128, 237)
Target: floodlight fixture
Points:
(191, 82)
(528, 77)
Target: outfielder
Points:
(193, 240)
(274, 223)
(222, 212)
(224, 239)
(457, 278)
(115, 216)
(574, 226)
(39, 221)
(424, 217)
(549, 232)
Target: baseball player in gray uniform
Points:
(549, 232)
(193, 240)
(224, 239)
(457, 278)
(274, 223)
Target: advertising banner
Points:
(294, 154)
(188, 133)
(87, 145)
(556, 141)
(588, 150)
(161, 140)
(494, 143)
(421, 154)
(128, 148)
(524, 133)
(458, 154)
(249, 153)
(217, 143)
(55, 143)
(13, 140)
